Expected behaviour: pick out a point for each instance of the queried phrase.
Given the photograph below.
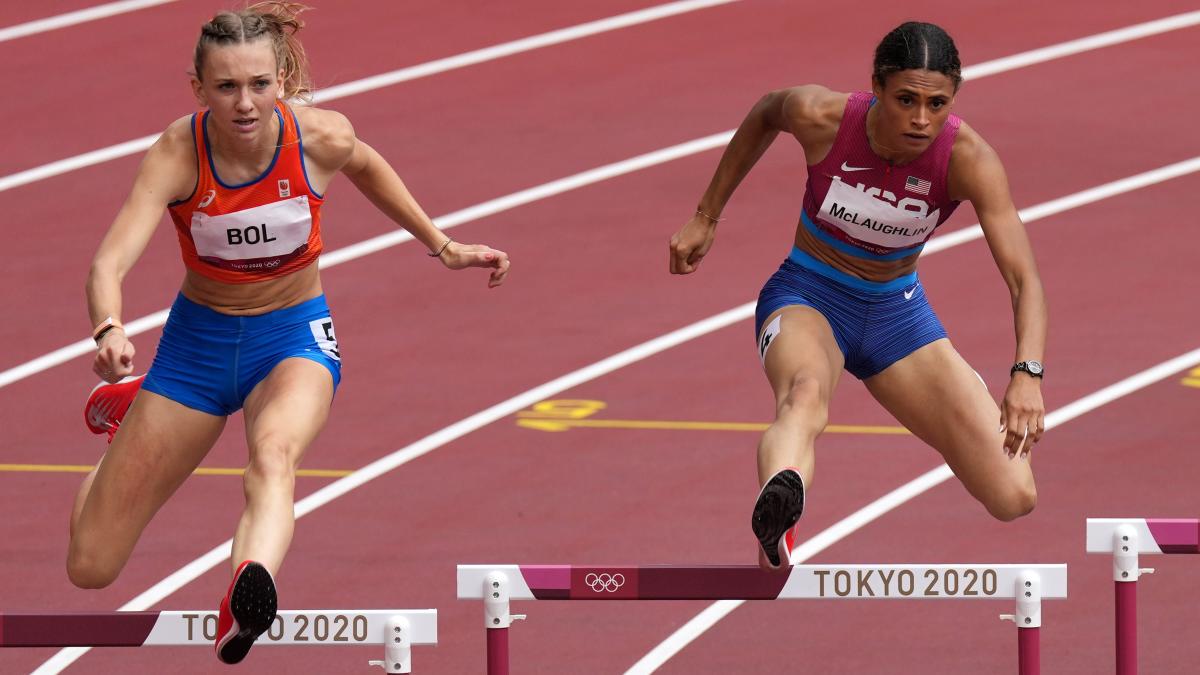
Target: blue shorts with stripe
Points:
(875, 324)
(209, 361)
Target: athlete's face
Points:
(913, 107)
(240, 85)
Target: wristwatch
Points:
(1034, 368)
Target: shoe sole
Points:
(253, 604)
(776, 511)
(107, 406)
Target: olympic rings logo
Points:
(604, 583)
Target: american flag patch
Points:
(917, 185)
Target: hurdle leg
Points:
(497, 619)
(1028, 618)
(1125, 577)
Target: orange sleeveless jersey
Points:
(263, 229)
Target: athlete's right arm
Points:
(167, 173)
(799, 111)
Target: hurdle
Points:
(497, 585)
(397, 629)
(1124, 539)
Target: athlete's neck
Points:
(880, 145)
(250, 151)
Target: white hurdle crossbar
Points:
(496, 585)
(397, 629)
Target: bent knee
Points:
(1014, 503)
(804, 398)
(273, 460)
(87, 570)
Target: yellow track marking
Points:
(202, 471)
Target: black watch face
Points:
(1035, 367)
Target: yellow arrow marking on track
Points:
(1193, 379)
(202, 471)
(563, 414)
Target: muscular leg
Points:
(939, 398)
(158, 446)
(803, 364)
(284, 413)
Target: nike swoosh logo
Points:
(847, 167)
(909, 293)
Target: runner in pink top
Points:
(886, 168)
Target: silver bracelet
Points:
(440, 250)
(714, 220)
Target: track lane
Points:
(582, 288)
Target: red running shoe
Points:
(246, 612)
(106, 405)
(776, 511)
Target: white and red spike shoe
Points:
(246, 611)
(776, 512)
(107, 404)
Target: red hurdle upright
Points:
(1125, 538)
(496, 585)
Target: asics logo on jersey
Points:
(604, 583)
(846, 167)
(207, 199)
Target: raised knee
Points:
(1014, 503)
(85, 570)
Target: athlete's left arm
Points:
(331, 142)
(976, 174)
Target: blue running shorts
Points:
(875, 324)
(211, 361)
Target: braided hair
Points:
(277, 21)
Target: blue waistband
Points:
(852, 249)
(810, 263)
(192, 312)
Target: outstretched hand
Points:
(691, 243)
(456, 256)
(1022, 415)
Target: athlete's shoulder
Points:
(813, 104)
(970, 148)
(974, 164)
(328, 135)
(177, 138)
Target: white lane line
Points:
(340, 487)
(494, 206)
(1097, 41)
(828, 537)
(554, 37)
(72, 18)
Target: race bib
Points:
(873, 220)
(255, 239)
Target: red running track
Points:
(425, 349)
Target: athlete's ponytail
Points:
(277, 21)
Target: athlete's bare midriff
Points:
(258, 297)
